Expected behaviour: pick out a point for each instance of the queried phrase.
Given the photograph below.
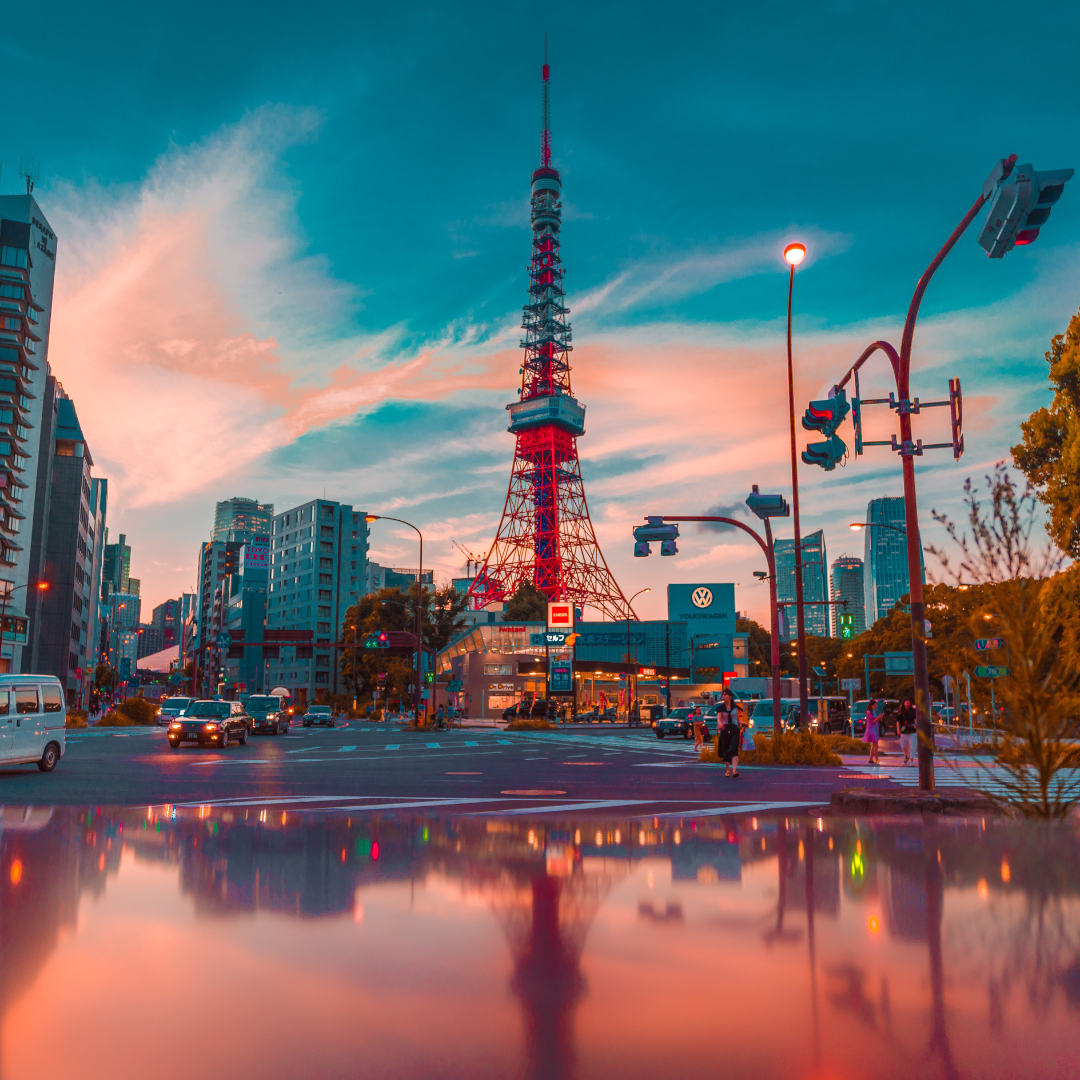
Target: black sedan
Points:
(211, 723)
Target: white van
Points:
(33, 721)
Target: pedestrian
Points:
(695, 718)
(906, 721)
(871, 735)
(746, 727)
(440, 717)
(728, 733)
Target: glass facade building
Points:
(814, 584)
(847, 584)
(885, 571)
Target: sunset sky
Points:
(293, 245)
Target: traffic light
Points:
(847, 626)
(826, 416)
(380, 640)
(1019, 201)
(827, 454)
(655, 530)
(767, 506)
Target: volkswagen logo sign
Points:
(702, 597)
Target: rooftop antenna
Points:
(28, 170)
(545, 138)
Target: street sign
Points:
(560, 615)
(819, 672)
(987, 643)
(991, 671)
(224, 639)
(851, 684)
(899, 663)
(453, 686)
(381, 676)
(536, 639)
(561, 680)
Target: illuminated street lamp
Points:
(42, 585)
(793, 255)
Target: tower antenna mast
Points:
(545, 137)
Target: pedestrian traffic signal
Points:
(847, 626)
(827, 454)
(767, 506)
(826, 416)
(1019, 201)
(655, 530)
(379, 640)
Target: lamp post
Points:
(42, 585)
(419, 603)
(793, 255)
(629, 674)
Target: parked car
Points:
(598, 716)
(171, 708)
(268, 713)
(319, 714)
(32, 721)
(526, 708)
(680, 721)
(888, 719)
(211, 723)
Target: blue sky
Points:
(293, 246)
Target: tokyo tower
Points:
(546, 536)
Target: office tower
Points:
(99, 502)
(65, 642)
(27, 263)
(815, 616)
(166, 622)
(217, 559)
(116, 570)
(318, 569)
(240, 519)
(885, 570)
(847, 584)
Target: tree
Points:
(1041, 694)
(1049, 455)
(528, 604)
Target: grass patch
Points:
(76, 718)
(536, 723)
(795, 748)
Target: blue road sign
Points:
(224, 639)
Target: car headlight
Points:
(212, 727)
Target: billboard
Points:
(706, 607)
(257, 553)
(560, 615)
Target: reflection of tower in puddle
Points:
(546, 916)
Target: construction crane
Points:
(471, 560)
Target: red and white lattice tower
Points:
(546, 536)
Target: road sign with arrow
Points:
(991, 672)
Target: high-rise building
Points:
(815, 617)
(318, 570)
(166, 620)
(99, 502)
(847, 584)
(885, 570)
(217, 559)
(117, 568)
(240, 519)
(66, 639)
(27, 264)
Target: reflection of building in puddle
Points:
(671, 913)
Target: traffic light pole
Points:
(901, 365)
(800, 611)
(767, 547)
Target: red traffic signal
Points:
(827, 454)
(826, 416)
(1019, 201)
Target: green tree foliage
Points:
(1049, 455)
(528, 604)
(394, 609)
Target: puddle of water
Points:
(270, 943)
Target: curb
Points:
(864, 801)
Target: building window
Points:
(323, 628)
(324, 612)
(325, 594)
(327, 530)
(496, 669)
(322, 661)
(326, 564)
(322, 676)
(326, 545)
(326, 579)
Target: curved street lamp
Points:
(419, 604)
(42, 585)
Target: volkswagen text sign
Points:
(560, 615)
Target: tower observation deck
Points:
(546, 536)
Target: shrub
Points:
(113, 718)
(76, 718)
(536, 723)
(794, 748)
(140, 710)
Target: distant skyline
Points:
(291, 254)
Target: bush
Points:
(537, 723)
(113, 718)
(140, 710)
(77, 718)
(796, 748)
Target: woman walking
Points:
(906, 722)
(728, 732)
(872, 734)
(699, 737)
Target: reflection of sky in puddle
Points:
(212, 945)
